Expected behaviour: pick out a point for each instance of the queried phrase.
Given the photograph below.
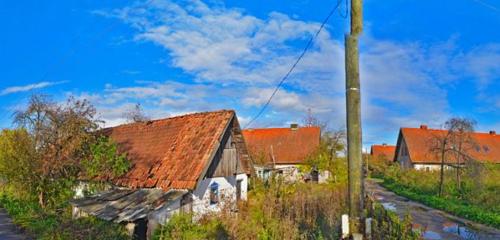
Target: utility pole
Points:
(353, 102)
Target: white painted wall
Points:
(430, 167)
(291, 172)
(201, 199)
(227, 194)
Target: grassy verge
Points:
(42, 224)
(451, 205)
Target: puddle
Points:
(389, 206)
(461, 231)
(431, 235)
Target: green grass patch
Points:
(451, 205)
(44, 224)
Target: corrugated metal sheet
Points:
(125, 205)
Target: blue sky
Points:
(422, 62)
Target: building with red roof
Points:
(415, 148)
(281, 149)
(383, 152)
(196, 162)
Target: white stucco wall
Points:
(201, 199)
(429, 167)
(291, 172)
(227, 194)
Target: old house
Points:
(414, 148)
(382, 153)
(192, 163)
(281, 150)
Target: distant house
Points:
(193, 163)
(414, 146)
(382, 153)
(281, 149)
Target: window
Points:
(214, 193)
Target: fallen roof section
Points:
(126, 205)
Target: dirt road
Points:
(437, 224)
(8, 230)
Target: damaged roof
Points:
(419, 142)
(126, 205)
(285, 145)
(171, 153)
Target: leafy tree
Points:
(104, 159)
(16, 154)
(330, 155)
(62, 145)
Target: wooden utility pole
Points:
(354, 144)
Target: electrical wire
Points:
(487, 5)
(309, 44)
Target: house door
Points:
(238, 189)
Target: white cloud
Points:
(29, 87)
(237, 59)
(220, 45)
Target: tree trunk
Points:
(441, 176)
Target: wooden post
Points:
(353, 108)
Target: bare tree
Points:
(136, 114)
(453, 147)
(310, 120)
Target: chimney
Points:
(384, 144)
(424, 127)
(493, 132)
(294, 126)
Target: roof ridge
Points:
(435, 129)
(170, 118)
(274, 128)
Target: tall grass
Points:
(273, 211)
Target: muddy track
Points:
(436, 224)
(8, 231)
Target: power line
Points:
(487, 5)
(309, 44)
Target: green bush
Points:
(387, 225)
(42, 224)
(181, 226)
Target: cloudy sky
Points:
(422, 62)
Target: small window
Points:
(486, 148)
(214, 193)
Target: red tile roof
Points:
(287, 145)
(170, 153)
(383, 151)
(420, 140)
